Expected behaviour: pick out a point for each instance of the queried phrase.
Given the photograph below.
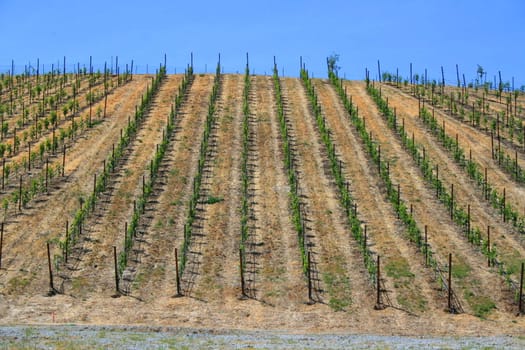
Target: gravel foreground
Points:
(113, 337)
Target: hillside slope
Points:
(413, 300)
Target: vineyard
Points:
(253, 201)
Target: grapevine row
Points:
(474, 171)
(345, 196)
(52, 142)
(245, 176)
(197, 180)
(244, 161)
(505, 161)
(35, 185)
(414, 234)
(459, 215)
(479, 114)
(127, 136)
(293, 176)
(53, 101)
(147, 189)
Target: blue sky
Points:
(430, 34)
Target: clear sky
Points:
(428, 33)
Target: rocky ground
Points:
(112, 337)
